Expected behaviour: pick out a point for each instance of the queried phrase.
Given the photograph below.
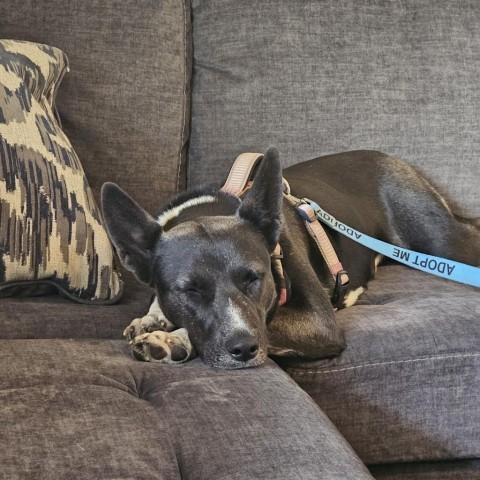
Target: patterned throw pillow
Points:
(51, 230)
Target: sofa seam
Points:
(376, 364)
(184, 106)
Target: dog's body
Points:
(208, 256)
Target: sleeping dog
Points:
(208, 256)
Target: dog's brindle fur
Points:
(208, 256)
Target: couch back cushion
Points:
(124, 104)
(322, 77)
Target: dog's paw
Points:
(164, 347)
(147, 324)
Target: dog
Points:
(208, 256)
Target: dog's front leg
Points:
(154, 338)
(304, 332)
(306, 325)
(153, 321)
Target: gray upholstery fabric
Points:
(322, 77)
(457, 470)
(125, 103)
(80, 407)
(406, 387)
(86, 409)
(52, 316)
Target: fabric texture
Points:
(125, 103)
(53, 316)
(406, 387)
(321, 77)
(456, 470)
(51, 231)
(86, 408)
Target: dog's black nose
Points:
(242, 346)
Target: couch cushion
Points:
(53, 316)
(69, 411)
(51, 231)
(125, 102)
(406, 387)
(87, 407)
(322, 77)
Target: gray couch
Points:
(164, 93)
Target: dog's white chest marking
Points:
(174, 212)
(155, 309)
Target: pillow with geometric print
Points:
(51, 231)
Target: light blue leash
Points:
(459, 272)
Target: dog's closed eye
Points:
(193, 293)
(197, 291)
(251, 282)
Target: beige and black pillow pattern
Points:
(51, 231)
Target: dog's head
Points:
(212, 273)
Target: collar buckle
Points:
(340, 289)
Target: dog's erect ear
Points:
(132, 230)
(262, 205)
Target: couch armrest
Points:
(248, 424)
